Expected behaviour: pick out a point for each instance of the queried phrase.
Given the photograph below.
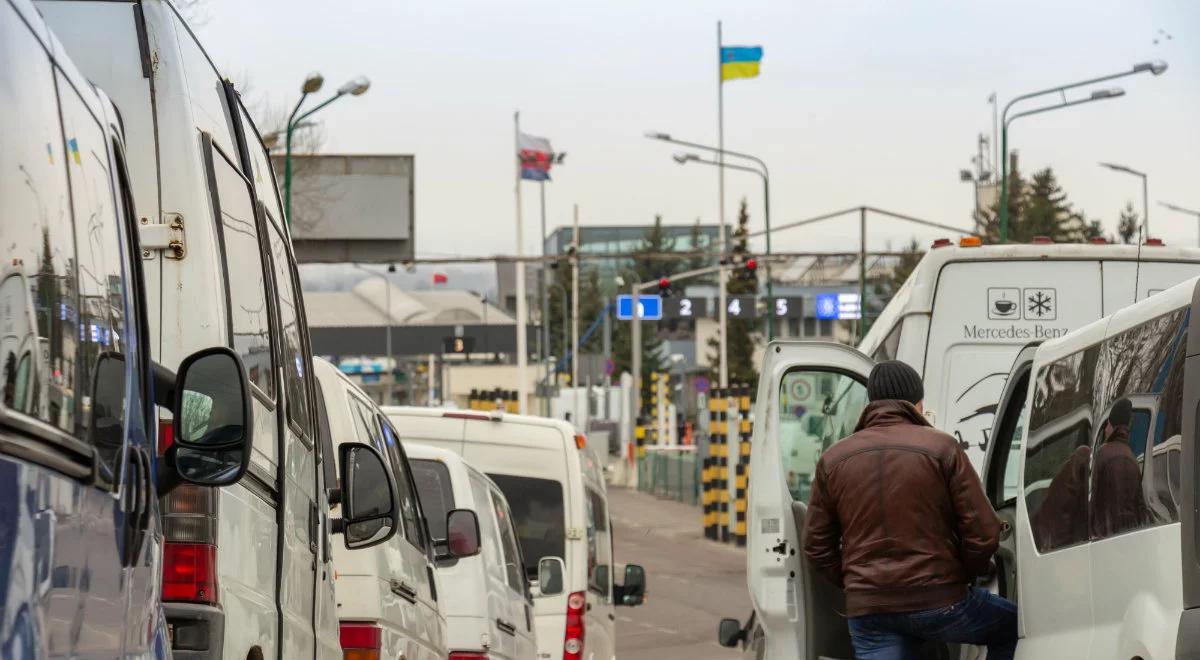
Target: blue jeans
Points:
(982, 618)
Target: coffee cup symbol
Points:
(1004, 307)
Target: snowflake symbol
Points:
(1039, 303)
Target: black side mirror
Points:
(370, 506)
(550, 576)
(730, 633)
(633, 591)
(462, 534)
(210, 400)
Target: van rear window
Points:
(537, 509)
(437, 497)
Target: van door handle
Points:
(404, 590)
(506, 627)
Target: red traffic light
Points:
(664, 283)
(751, 263)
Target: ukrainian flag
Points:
(740, 61)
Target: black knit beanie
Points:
(895, 380)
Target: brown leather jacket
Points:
(897, 516)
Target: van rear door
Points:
(1188, 639)
(810, 395)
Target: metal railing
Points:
(671, 473)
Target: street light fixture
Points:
(1180, 209)
(1145, 196)
(312, 84)
(1156, 67)
(685, 158)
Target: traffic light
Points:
(748, 270)
(664, 286)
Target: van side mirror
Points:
(213, 418)
(730, 633)
(462, 534)
(550, 575)
(633, 591)
(370, 506)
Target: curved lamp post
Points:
(1180, 209)
(683, 159)
(1156, 67)
(1145, 194)
(312, 84)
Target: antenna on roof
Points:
(1137, 273)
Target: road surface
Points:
(691, 582)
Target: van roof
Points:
(917, 292)
(495, 416)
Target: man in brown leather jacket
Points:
(899, 520)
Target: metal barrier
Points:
(670, 472)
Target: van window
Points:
(599, 544)
(100, 285)
(538, 515)
(437, 496)
(295, 369)
(1057, 455)
(1143, 367)
(245, 277)
(410, 510)
(816, 409)
(261, 174)
(38, 339)
(508, 544)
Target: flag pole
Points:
(722, 274)
(522, 349)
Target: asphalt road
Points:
(691, 582)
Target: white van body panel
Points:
(473, 622)
(371, 583)
(526, 446)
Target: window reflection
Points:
(816, 409)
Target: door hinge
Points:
(166, 236)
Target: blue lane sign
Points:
(652, 308)
(827, 306)
(834, 306)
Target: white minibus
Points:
(557, 494)
(248, 568)
(960, 319)
(1099, 507)
(487, 601)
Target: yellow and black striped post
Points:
(708, 488)
(511, 404)
(723, 465)
(639, 437)
(742, 473)
(473, 400)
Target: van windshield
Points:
(437, 497)
(537, 509)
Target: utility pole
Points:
(575, 321)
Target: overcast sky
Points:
(859, 102)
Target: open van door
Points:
(810, 395)
(1000, 467)
(1187, 643)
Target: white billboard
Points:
(351, 208)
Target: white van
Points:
(960, 319)
(560, 508)
(1103, 564)
(388, 598)
(488, 604)
(247, 568)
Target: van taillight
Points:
(1154, 242)
(468, 655)
(361, 641)
(573, 643)
(942, 242)
(190, 573)
(166, 435)
(1042, 240)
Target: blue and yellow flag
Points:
(740, 61)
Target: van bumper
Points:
(196, 631)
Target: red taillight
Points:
(1098, 240)
(189, 573)
(468, 655)
(166, 435)
(361, 641)
(942, 242)
(573, 642)
(1154, 242)
(1041, 240)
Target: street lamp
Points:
(1180, 209)
(683, 159)
(1157, 67)
(1145, 197)
(312, 84)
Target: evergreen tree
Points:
(591, 304)
(743, 333)
(910, 256)
(1127, 225)
(1037, 207)
(647, 268)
